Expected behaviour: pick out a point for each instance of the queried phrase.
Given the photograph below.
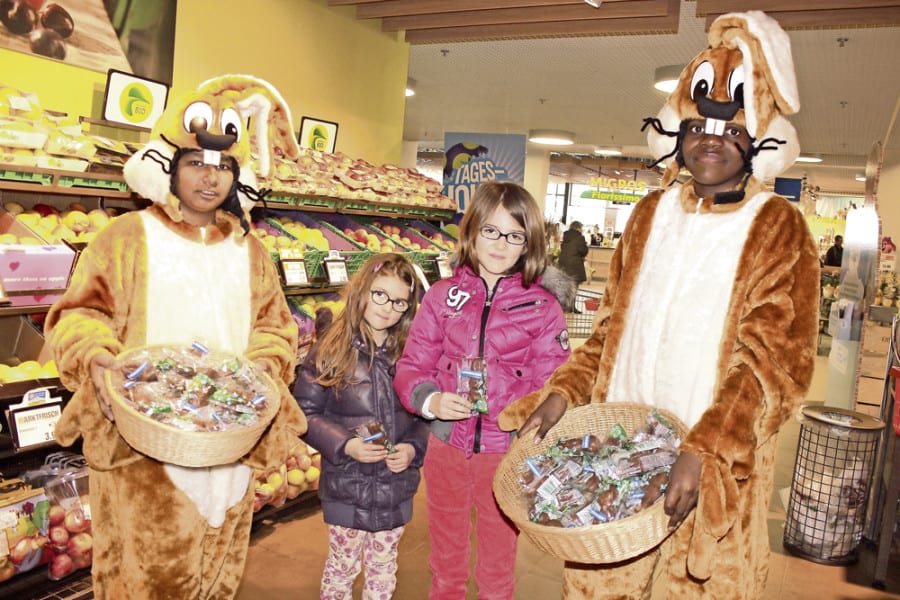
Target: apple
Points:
(80, 544)
(45, 209)
(296, 477)
(361, 236)
(59, 535)
(78, 206)
(61, 566)
(312, 474)
(57, 514)
(275, 480)
(13, 208)
(75, 520)
(303, 462)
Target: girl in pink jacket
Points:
(482, 338)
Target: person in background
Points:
(370, 473)
(496, 313)
(835, 254)
(732, 354)
(183, 270)
(572, 253)
(596, 236)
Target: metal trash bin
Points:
(829, 492)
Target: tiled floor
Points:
(287, 554)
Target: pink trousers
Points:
(455, 485)
(347, 550)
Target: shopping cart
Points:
(581, 321)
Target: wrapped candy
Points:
(583, 481)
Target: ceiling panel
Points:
(508, 66)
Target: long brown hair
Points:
(336, 359)
(523, 208)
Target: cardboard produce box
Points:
(32, 274)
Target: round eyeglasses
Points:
(516, 238)
(381, 298)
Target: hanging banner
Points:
(473, 158)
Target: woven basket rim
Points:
(611, 542)
(186, 448)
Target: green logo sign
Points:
(610, 196)
(136, 102)
(318, 138)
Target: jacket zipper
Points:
(485, 312)
(524, 305)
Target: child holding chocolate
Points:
(487, 335)
(371, 447)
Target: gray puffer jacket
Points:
(364, 496)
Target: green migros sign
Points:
(610, 196)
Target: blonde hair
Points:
(337, 358)
(522, 207)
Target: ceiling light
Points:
(551, 137)
(410, 87)
(809, 158)
(594, 3)
(860, 177)
(665, 79)
(607, 152)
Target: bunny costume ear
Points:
(215, 117)
(746, 75)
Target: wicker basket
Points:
(595, 544)
(186, 448)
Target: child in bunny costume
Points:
(180, 271)
(710, 311)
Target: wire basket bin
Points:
(829, 492)
(580, 322)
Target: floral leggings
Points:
(347, 549)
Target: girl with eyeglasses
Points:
(496, 309)
(371, 447)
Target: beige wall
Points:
(325, 62)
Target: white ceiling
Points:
(600, 88)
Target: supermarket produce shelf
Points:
(69, 183)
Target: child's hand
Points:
(450, 407)
(98, 367)
(683, 490)
(399, 461)
(365, 452)
(544, 417)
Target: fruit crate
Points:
(424, 255)
(350, 250)
(428, 230)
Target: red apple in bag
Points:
(58, 535)
(75, 520)
(61, 566)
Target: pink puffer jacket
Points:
(521, 333)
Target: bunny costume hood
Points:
(746, 75)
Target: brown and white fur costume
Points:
(164, 531)
(710, 311)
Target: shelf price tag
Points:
(443, 265)
(336, 268)
(293, 267)
(33, 420)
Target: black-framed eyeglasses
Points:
(381, 298)
(516, 238)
